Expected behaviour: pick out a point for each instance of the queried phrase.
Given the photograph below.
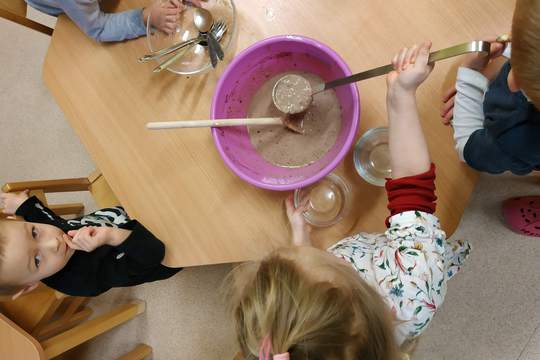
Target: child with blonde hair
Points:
(495, 113)
(369, 294)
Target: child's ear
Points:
(24, 290)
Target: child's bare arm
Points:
(299, 228)
(408, 149)
(10, 202)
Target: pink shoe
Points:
(522, 215)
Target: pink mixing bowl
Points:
(243, 77)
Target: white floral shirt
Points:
(409, 265)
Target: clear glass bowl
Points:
(196, 59)
(372, 156)
(328, 201)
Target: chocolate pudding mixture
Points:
(292, 94)
(283, 147)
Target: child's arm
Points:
(89, 238)
(413, 183)
(129, 257)
(468, 112)
(488, 66)
(31, 209)
(299, 228)
(464, 103)
(12, 201)
(123, 25)
(408, 150)
(136, 243)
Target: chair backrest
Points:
(17, 342)
(32, 309)
(101, 191)
(95, 183)
(15, 10)
(45, 312)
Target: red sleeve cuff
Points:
(411, 193)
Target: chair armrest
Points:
(26, 22)
(49, 186)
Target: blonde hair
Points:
(320, 309)
(526, 48)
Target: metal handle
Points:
(167, 51)
(164, 65)
(211, 52)
(215, 45)
(465, 48)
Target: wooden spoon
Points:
(290, 122)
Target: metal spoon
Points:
(203, 20)
(280, 98)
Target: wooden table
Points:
(175, 181)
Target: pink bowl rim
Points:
(348, 141)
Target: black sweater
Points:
(137, 260)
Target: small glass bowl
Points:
(372, 156)
(196, 59)
(329, 201)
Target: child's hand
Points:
(88, 238)
(479, 61)
(300, 229)
(164, 15)
(12, 201)
(195, 3)
(411, 68)
(447, 108)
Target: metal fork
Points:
(175, 47)
(218, 30)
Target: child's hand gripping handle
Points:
(476, 46)
(409, 154)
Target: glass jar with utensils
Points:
(201, 39)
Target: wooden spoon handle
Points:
(213, 123)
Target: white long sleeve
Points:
(471, 87)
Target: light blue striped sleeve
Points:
(104, 26)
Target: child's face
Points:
(32, 252)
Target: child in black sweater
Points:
(81, 257)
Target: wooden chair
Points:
(43, 321)
(15, 10)
(95, 183)
(16, 343)
(45, 312)
(45, 317)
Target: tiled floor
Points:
(491, 307)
